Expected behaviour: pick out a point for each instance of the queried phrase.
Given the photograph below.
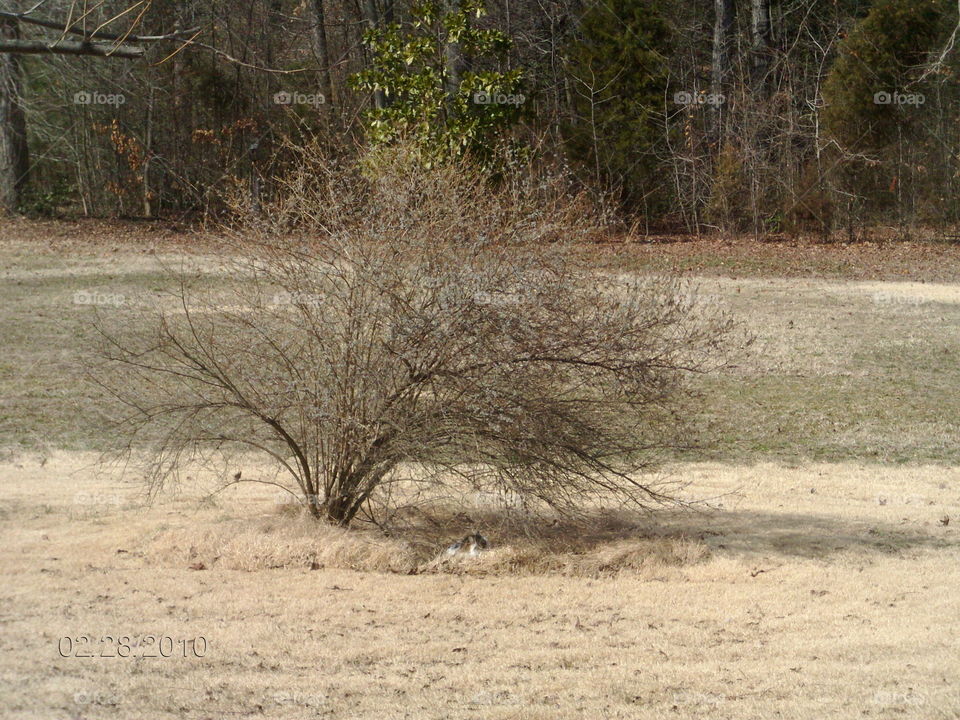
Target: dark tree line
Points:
(745, 115)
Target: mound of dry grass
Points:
(647, 557)
(600, 546)
(280, 542)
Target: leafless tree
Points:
(14, 154)
(417, 331)
(723, 38)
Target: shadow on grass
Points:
(609, 543)
(807, 535)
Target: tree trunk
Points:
(320, 49)
(760, 29)
(722, 41)
(372, 19)
(454, 60)
(14, 155)
(147, 150)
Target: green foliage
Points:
(885, 104)
(882, 54)
(619, 74)
(46, 199)
(409, 69)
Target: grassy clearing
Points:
(855, 371)
(45, 325)
(839, 371)
(820, 587)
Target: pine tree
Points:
(618, 66)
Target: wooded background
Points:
(760, 116)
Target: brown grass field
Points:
(821, 581)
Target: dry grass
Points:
(826, 379)
(604, 547)
(929, 257)
(815, 590)
(820, 591)
(253, 526)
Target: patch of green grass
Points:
(891, 405)
(830, 377)
(46, 401)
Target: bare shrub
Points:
(387, 353)
(398, 194)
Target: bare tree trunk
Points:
(454, 60)
(70, 47)
(722, 41)
(760, 29)
(147, 150)
(320, 49)
(14, 155)
(274, 31)
(372, 18)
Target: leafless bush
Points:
(398, 347)
(397, 194)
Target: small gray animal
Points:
(470, 545)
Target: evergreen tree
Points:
(873, 89)
(445, 109)
(892, 115)
(618, 69)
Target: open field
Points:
(812, 599)
(823, 585)
(840, 370)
